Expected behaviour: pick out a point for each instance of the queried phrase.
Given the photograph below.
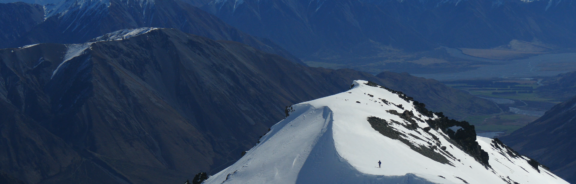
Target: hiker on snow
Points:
(379, 163)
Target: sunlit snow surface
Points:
(124, 34)
(75, 50)
(329, 140)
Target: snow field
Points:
(74, 50)
(329, 140)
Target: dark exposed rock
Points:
(421, 108)
(287, 111)
(382, 126)
(370, 83)
(465, 137)
(399, 93)
(462, 180)
(408, 116)
(199, 178)
(508, 180)
(534, 164)
(427, 129)
(497, 144)
(385, 101)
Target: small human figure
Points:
(379, 163)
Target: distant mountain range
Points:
(156, 105)
(17, 19)
(366, 28)
(550, 140)
(77, 21)
(132, 103)
(561, 87)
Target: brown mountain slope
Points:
(154, 108)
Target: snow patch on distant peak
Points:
(124, 34)
(28, 46)
(62, 7)
(74, 50)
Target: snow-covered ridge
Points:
(29, 46)
(340, 139)
(77, 50)
(124, 34)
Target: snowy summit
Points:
(341, 138)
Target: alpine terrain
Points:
(550, 139)
(156, 91)
(77, 21)
(341, 138)
(353, 29)
(154, 105)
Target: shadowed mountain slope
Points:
(357, 28)
(437, 96)
(156, 107)
(17, 19)
(550, 140)
(77, 21)
(561, 87)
